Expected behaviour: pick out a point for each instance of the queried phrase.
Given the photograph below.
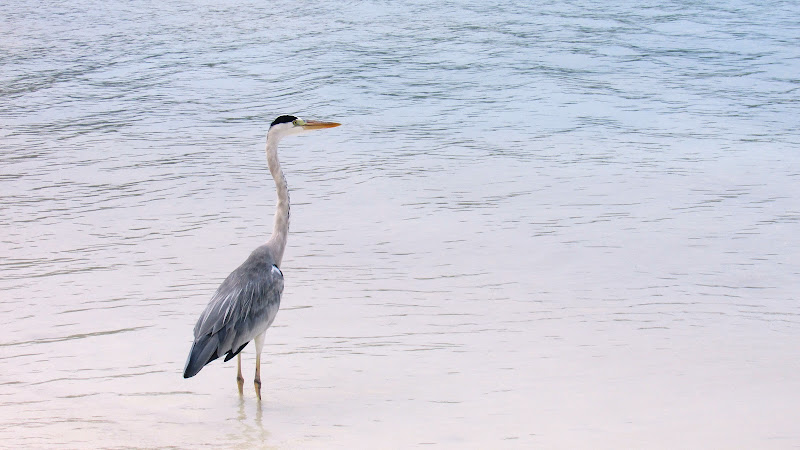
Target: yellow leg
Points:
(257, 381)
(239, 377)
(259, 341)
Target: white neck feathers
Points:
(280, 231)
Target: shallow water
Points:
(570, 225)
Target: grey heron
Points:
(246, 303)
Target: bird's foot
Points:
(257, 384)
(240, 383)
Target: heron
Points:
(246, 303)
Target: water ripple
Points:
(537, 221)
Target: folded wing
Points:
(243, 307)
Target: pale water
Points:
(541, 225)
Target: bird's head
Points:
(291, 125)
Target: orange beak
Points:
(314, 125)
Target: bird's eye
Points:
(299, 122)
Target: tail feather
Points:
(204, 350)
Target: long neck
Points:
(280, 232)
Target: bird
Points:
(246, 303)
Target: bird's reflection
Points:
(253, 433)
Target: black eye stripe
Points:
(283, 119)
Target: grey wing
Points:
(243, 307)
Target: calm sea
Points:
(541, 224)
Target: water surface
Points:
(569, 225)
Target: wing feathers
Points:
(243, 307)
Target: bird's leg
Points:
(259, 340)
(239, 377)
(257, 381)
